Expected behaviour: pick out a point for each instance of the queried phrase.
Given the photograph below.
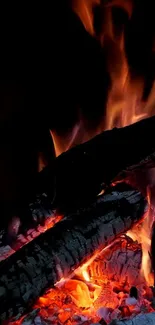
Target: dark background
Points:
(49, 67)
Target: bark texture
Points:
(25, 275)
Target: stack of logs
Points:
(90, 221)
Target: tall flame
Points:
(146, 245)
(125, 103)
(143, 236)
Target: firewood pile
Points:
(86, 225)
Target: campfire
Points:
(91, 260)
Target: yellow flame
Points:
(86, 275)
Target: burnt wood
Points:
(26, 274)
(80, 173)
(120, 261)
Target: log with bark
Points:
(56, 253)
(81, 173)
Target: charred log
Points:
(80, 173)
(121, 262)
(35, 217)
(56, 253)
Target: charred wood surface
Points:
(9, 245)
(55, 254)
(83, 171)
(36, 218)
(121, 262)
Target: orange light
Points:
(79, 292)
(143, 235)
(124, 106)
(86, 275)
(84, 9)
(125, 103)
(146, 244)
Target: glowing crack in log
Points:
(56, 253)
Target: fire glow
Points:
(125, 104)
(103, 288)
(143, 236)
(109, 286)
(99, 289)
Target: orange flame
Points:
(79, 292)
(146, 244)
(125, 103)
(143, 236)
(84, 9)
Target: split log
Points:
(143, 319)
(81, 173)
(56, 253)
(121, 262)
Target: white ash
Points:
(143, 319)
(109, 303)
(5, 252)
(104, 313)
(37, 320)
(131, 301)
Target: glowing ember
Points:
(114, 283)
(107, 281)
(106, 288)
(21, 239)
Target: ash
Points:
(111, 290)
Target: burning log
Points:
(60, 250)
(121, 261)
(97, 288)
(140, 319)
(36, 218)
(80, 173)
